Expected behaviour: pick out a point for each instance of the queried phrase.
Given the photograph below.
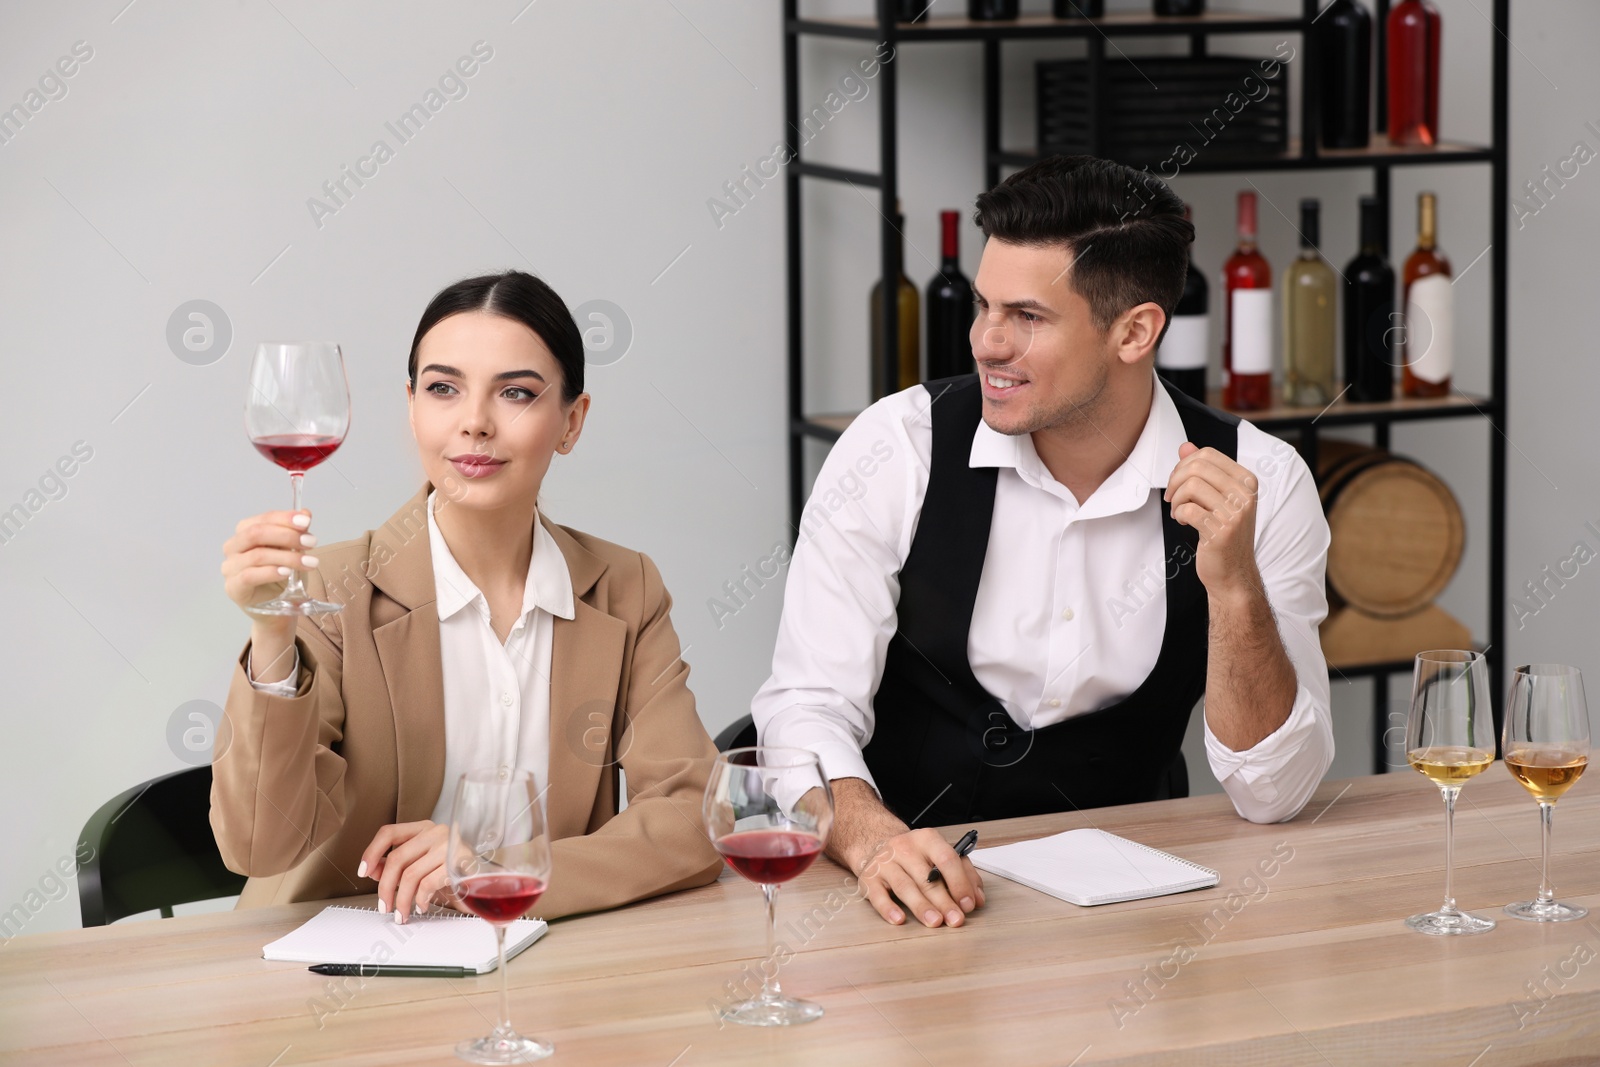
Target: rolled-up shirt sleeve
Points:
(1272, 780)
(285, 688)
(839, 610)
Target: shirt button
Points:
(505, 699)
(1055, 703)
(1067, 614)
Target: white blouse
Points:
(496, 695)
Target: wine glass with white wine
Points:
(1546, 746)
(1450, 740)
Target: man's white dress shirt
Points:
(496, 696)
(1071, 607)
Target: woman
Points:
(475, 632)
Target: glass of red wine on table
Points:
(499, 866)
(768, 811)
(297, 414)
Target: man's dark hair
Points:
(1123, 229)
(513, 295)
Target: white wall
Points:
(178, 165)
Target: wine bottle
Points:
(1181, 359)
(1310, 305)
(1369, 357)
(906, 301)
(1429, 336)
(1413, 33)
(1078, 9)
(950, 307)
(912, 10)
(992, 10)
(1247, 331)
(1342, 36)
(1167, 8)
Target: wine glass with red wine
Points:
(297, 415)
(768, 812)
(499, 866)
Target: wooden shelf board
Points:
(1378, 153)
(1339, 413)
(1141, 23)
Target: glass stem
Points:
(769, 981)
(1449, 848)
(503, 1028)
(295, 588)
(1547, 892)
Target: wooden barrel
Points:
(1397, 532)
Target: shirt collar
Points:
(1147, 467)
(548, 584)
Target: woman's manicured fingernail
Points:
(308, 561)
(953, 917)
(895, 917)
(285, 571)
(383, 909)
(301, 521)
(361, 871)
(930, 917)
(418, 908)
(966, 903)
(399, 916)
(308, 540)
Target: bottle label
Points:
(1184, 346)
(1430, 328)
(1251, 311)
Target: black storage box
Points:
(1217, 106)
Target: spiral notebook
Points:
(343, 933)
(1089, 867)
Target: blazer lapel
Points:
(585, 671)
(405, 628)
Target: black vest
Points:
(943, 749)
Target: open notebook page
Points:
(1089, 867)
(341, 933)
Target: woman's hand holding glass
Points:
(257, 562)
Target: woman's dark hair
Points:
(519, 296)
(1123, 228)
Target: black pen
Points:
(374, 970)
(964, 846)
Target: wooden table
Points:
(1307, 964)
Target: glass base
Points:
(285, 606)
(506, 1046)
(779, 1011)
(1449, 922)
(1552, 912)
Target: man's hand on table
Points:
(888, 857)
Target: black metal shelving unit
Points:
(1304, 154)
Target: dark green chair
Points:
(150, 848)
(741, 733)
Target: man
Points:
(1011, 589)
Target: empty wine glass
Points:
(768, 811)
(297, 414)
(1546, 746)
(499, 866)
(1450, 739)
